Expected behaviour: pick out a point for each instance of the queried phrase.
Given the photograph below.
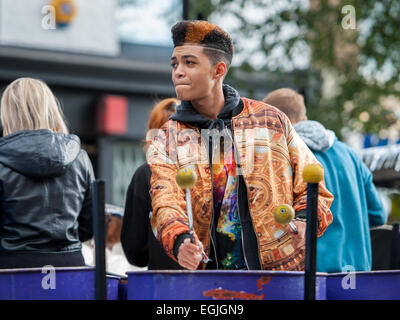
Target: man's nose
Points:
(179, 72)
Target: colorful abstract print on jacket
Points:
(228, 227)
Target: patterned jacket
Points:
(272, 157)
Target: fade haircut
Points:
(217, 43)
(288, 101)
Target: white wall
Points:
(92, 31)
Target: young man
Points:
(357, 205)
(236, 191)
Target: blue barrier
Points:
(77, 283)
(220, 285)
(374, 285)
(123, 289)
(73, 283)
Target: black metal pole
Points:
(394, 257)
(185, 14)
(99, 230)
(311, 241)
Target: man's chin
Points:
(183, 96)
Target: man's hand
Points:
(299, 239)
(189, 255)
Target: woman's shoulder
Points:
(142, 173)
(83, 162)
(83, 157)
(143, 169)
(141, 177)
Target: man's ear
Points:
(220, 70)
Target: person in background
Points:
(138, 241)
(114, 225)
(45, 182)
(356, 207)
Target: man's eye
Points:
(173, 65)
(190, 62)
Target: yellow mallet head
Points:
(186, 178)
(284, 214)
(313, 173)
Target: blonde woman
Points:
(45, 181)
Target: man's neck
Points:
(210, 106)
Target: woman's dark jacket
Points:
(140, 246)
(45, 194)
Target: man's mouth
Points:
(181, 84)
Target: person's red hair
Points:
(160, 114)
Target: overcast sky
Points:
(145, 22)
(150, 21)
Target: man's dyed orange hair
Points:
(216, 42)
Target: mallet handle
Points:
(311, 241)
(190, 215)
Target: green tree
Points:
(359, 68)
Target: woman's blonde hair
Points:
(29, 104)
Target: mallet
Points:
(284, 214)
(186, 179)
(312, 174)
